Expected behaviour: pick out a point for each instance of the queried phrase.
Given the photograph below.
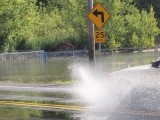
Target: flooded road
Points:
(38, 102)
(116, 90)
(57, 102)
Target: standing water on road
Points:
(112, 90)
(106, 92)
(50, 71)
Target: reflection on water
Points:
(34, 71)
(47, 97)
(11, 113)
(23, 112)
(37, 71)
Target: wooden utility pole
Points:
(91, 41)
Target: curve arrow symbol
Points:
(96, 13)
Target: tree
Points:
(17, 22)
(134, 41)
(153, 26)
(44, 24)
(73, 20)
(127, 24)
(147, 4)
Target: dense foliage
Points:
(45, 24)
(147, 4)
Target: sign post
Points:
(99, 15)
(91, 40)
(100, 38)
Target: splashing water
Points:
(102, 91)
(99, 89)
(89, 87)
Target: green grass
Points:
(56, 82)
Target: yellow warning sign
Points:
(100, 36)
(98, 15)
